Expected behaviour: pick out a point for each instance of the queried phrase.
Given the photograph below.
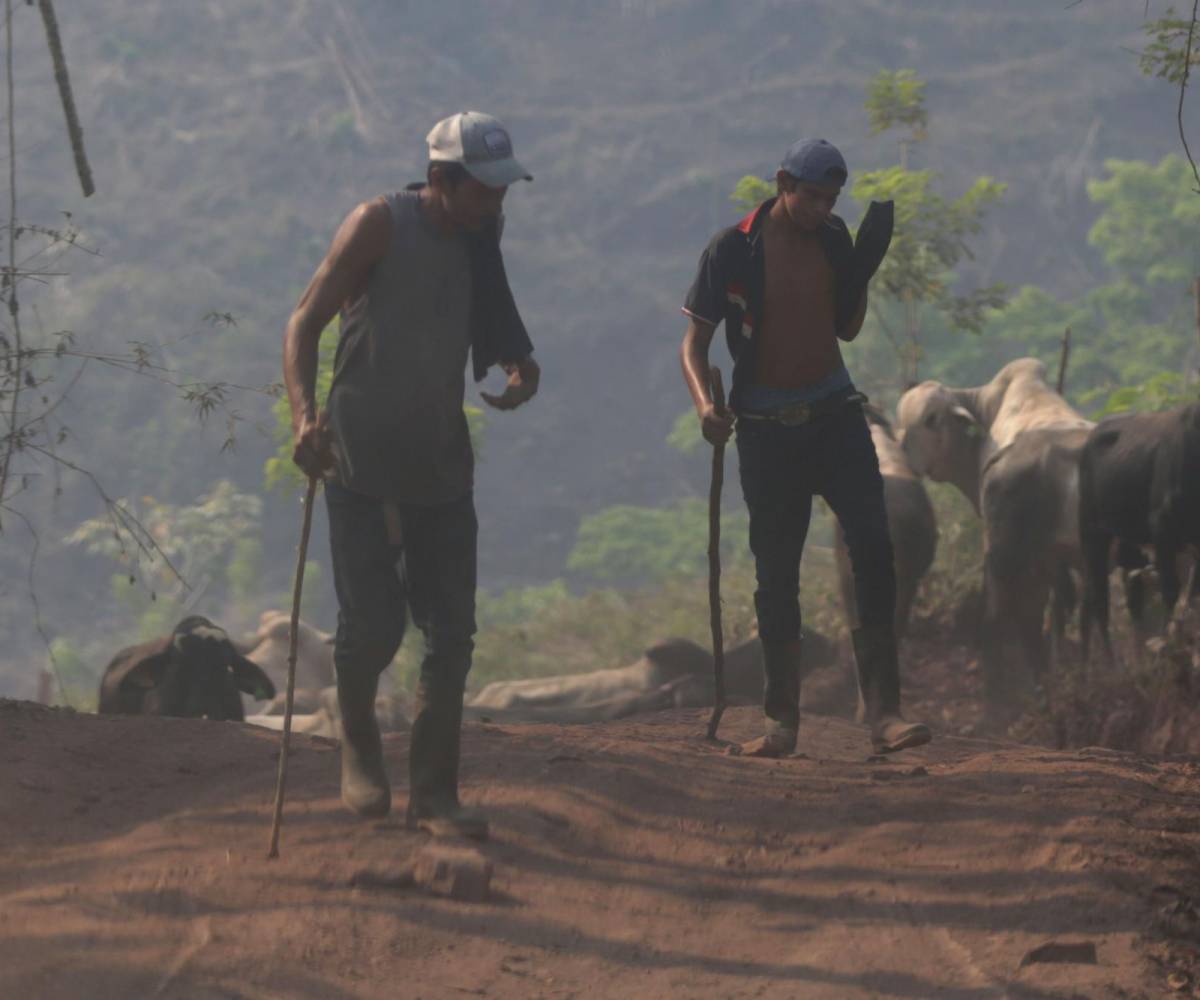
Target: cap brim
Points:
(498, 173)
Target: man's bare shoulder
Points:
(366, 231)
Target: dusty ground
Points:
(631, 859)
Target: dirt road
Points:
(631, 859)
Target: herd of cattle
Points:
(1059, 498)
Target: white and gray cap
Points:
(481, 144)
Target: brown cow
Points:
(1012, 447)
(195, 672)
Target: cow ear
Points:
(249, 677)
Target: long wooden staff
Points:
(714, 562)
(293, 634)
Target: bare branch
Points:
(38, 623)
(68, 101)
(1187, 67)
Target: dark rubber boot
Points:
(879, 683)
(365, 788)
(433, 804)
(781, 701)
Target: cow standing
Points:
(1139, 485)
(1012, 448)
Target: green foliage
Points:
(685, 436)
(243, 571)
(896, 99)
(931, 238)
(207, 549)
(752, 191)
(1159, 392)
(1149, 221)
(1165, 55)
(650, 544)
(932, 233)
(519, 604)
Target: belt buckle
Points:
(795, 415)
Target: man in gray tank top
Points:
(419, 283)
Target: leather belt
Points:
(799, 414)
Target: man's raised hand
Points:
(522, 386)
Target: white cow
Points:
(268, 647)
(1012, 448)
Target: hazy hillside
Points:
(229, 138)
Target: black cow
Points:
(195, 672)
(1139, 484)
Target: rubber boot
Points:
(879, 683)
(433, 804)
(365, 788)
(781, 701)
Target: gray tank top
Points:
(396, 404)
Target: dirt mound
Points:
(631, 859)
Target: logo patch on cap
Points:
(498, 143)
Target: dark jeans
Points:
(782, 469)
(431, 572)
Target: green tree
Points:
(201, 549)
(932, 234)
(631, 544)
(896, 99)
(1147, 231)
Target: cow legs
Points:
(1095, 594)
(1166, 563)
(1063, 598)
(1014, 608)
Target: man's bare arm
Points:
(360, 242)
(693, 356)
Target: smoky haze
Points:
(228, 140)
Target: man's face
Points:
(808, 205)
(472, 204)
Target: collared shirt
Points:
(730, 287)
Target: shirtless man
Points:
(788, 282)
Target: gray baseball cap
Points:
(481, 144)
(815, 161)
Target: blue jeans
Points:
(782, 469)
(431, 573)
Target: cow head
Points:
(198, 675)
(941, 437)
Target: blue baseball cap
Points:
(815, 161)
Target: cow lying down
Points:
(316, 713)
(675, 673)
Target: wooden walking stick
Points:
(714, 562)
(293, 634)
